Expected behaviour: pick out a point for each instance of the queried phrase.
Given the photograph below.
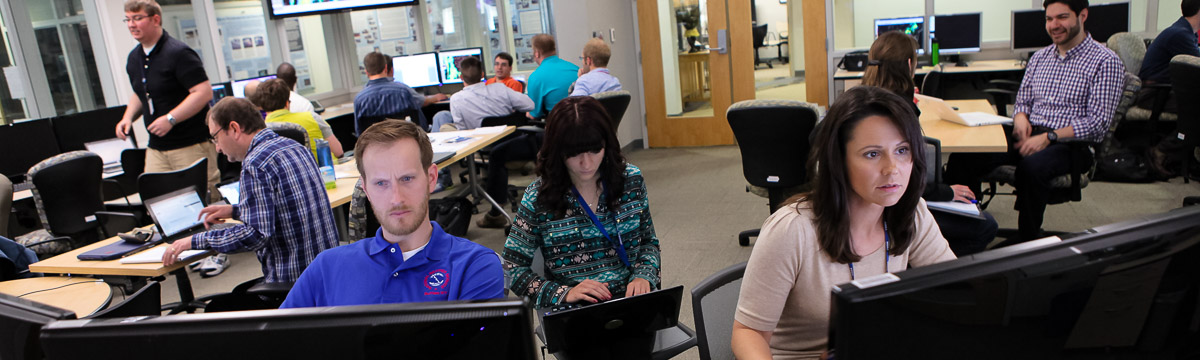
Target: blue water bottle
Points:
(324, 156)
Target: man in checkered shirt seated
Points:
(1070, 90)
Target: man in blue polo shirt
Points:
(410, 259)
(552, 79)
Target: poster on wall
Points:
(388, 31)
(299, 57)
(245, 46)
(190, 35)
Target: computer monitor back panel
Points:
(1128, 289)
(494, 329)
(21, 322)
(417, 70)
(912, 26)
(1029, 30)
(220, 91)
(74, 130)
(26, 143)
(1105, 20)
(960, 33)
(448, 64)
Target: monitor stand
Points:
(957, 60)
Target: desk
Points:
(693, 78)
(961, 138)
(843, 79)
(90, 296)
(68, 263)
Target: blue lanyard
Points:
(887, 241)
(619, 244)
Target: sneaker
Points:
(195, 266)
(214, 265)
(488, 221)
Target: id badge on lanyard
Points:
(618, 244)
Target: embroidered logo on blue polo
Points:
(435, 282)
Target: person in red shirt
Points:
(503, 66)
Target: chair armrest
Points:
(1000, 91)
(50, 240)
(107, 183)
(1078, 146)
(271, 289)
(536, 122)
(531, 129)
(1005, 82)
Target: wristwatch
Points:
(1052, 136)
(171, 119)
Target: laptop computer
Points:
(945, 112)
(587, 326)
(231, 192)
(110, 152)
(176, 215)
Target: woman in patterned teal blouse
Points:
(581, 173)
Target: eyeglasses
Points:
(135, 18)
(213, 137)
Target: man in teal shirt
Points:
(552, 79)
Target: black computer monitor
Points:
(239, 86)
(494, 329)
(24, 144)
(448, 64)
(618, 329)
(961, 33)
(1105, 20)
(74, 130)
(1029, 30)
(417, 70)
(913, 26)
(1126, 290)
(220, 91)
(21, 323)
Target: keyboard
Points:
(22, 186)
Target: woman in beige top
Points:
(864, 217)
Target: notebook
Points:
(945, 112)
(155, 255)
(956, 208)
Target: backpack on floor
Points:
(452, 213)
(1123, 165)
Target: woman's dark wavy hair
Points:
(576, 125)
(830, 195)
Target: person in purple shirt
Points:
(594, 77)
(1070, 90)
(410, 259)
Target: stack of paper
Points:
(955, 207)
(154, 255)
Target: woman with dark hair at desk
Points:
(587, 213)
(863, 217)
(891, 64)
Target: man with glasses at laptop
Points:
(170, 91)
(410, 258)
(284, 210)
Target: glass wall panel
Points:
(1169, 12)
(392, 31)
(65, 46)
(10, 108)
(529, 18)
(854, 20)
(244, 41)
(308, 53)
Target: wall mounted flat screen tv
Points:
(288, 8)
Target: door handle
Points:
(720, 49)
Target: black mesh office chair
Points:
(932, 84)
(151, 185)
(291, 131)
(1185, 81)
(66, 191)
(773, 138)
(615, 102)
(760, 36)
(714, 301)
(343, 129)
(145, 302)
(253, 294)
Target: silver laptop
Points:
(945, 112)
(176, 214)
(110, 152)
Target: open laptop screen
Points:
(109, 150)
(176, 212)
(231, 192)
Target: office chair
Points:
(151, 185)
(291, 131)
(517, 119)
(773, 138)
(343, 130)
(144, 302)
(932, 84)
(133, 164)
(1132, 50)
(6, 196)
(361, 222)
(714, 301)
(66, 192)
(1003, 93)
(252, 294)
(1069, 187)
(615, 102)
(1185, 81)
(760, 36)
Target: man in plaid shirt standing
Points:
(1070, 90)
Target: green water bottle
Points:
(933, 50)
